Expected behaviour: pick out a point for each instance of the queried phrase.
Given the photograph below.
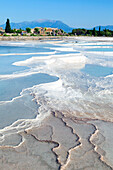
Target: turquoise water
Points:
(6, 61)
(97, 70)
(96, 45)
(11, 88)
(19, 49)
(23, 107)
(100, 49)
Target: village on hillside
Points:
(33, 32)
(30, 31)
(47, 31)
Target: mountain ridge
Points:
(49, 23)
(40, 23)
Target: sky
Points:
(75, 13)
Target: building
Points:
(24, 32)
(2, 31)
(51, 31)
(48, 31)
(32, 30)
(41, 30)
(45, 31)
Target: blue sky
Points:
(75, 13)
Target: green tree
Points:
(14, 30)
(94, 32)
(62, 31)
(89, 32)
(79, 31)
(108, 33)
(8, 27)
(74, 31)
(28, 30)
(36, 30)
(102, 33)
(56, 31)
(105, 31)
(19, 31)
(99, 30)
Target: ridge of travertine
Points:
(69, 139)
(99, 156)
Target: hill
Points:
(40, 23)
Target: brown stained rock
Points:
(84, 156)
(31, 154)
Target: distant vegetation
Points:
(40, 31)
(93, 32)
(8, 27)
(37, 31)
(28, 30)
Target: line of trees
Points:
(93, 32)
(28, 30)
(79, 31)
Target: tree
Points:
(36, 30)
(14, 30)
(62, 31)
(108, 33)
(56, 31)
(28, 30)
(99, 30)
(74, 31)
(89, 32)
(8, 27)
(94, 32)
(19, 31)
(105, 32)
